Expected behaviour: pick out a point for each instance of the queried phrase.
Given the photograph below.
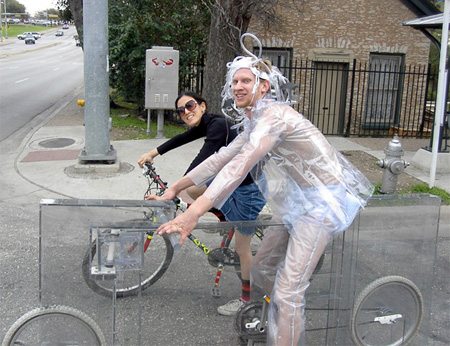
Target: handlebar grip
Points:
(172, 237)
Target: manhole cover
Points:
(57, 143)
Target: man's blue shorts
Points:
(244, 204)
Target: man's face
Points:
(242, 86)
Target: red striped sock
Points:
(245, 290)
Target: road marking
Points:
(22, 80)
(57, 68)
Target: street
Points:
(35, 77)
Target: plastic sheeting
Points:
(309, 186)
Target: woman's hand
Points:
(147, 157)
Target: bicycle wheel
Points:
(387, 312)
(157, 259)
(54, 325)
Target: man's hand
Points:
(168, 195)
(183, 224)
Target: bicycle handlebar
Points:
(149, 171)
(173, 239)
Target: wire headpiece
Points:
(261, 70)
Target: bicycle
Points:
(157, 258)
(388, 312)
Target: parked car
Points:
(30, 39)
(24, 35)
(59, 33)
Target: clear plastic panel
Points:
(395, 236)
(395, 252)
(90, 249)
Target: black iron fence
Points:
(357, 99)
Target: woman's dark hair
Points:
(198, 98)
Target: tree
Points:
(52, 11)
(45, 13)
(72, 10)
(64, 10)
(13, 6)
(230, 19)
(137, 25)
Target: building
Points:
(358, 69)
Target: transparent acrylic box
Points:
(394, 235)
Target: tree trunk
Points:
(229, 21)
(76, 7)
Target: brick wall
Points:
(356, 27)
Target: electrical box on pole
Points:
(161, 82)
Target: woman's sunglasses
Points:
(190, 106)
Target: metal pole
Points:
(96, 83)
(148, 122)
(160, 132)
(1, 32)
(6, 20)
(440, 98)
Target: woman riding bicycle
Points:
(244, 204)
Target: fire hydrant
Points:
(393, 165)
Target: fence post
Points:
(347, 130)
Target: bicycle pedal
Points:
(215, 292)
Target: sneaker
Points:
(230, 308)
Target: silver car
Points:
(30, 39)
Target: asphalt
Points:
(44, 165)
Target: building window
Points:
(279, 57)
(384, 90)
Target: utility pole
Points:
(441, 99)
(6, 20)
(1, 32)
(96, 84)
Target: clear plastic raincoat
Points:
(310, 188)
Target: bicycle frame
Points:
(158, 257)
(161, 186)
